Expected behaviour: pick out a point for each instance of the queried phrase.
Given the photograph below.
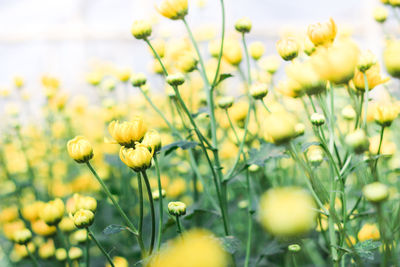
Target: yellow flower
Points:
(196, 248)
(22, 236)
(336, 63)
(380, 14)
(289, 88)
(31, 211)
(270, 63)
(47, 250)
(376, 192)
(80, 149)
(43, 229)
(232, 52)
(127, 133)
(305, 75)
(279, 127)
(8, 214)
(124, 74)
(52, 212)
(94, 78)
(141, 29)
(385, 114)
(256, 50)
(322, 33)
(159, 46)
(287, 48)
(152, 140)
(287, 211)
(374, 78)
(83, 218)
(119, 262)
(243, 25)
(138, 158)
(391, 58)
(19, 82)
(368, 231)
(173, 9)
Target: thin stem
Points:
(153, 217)
(100, 247)
(178, 225)
(249, 219)
(265, 106)
(246, 52)
(87, 256)
(117, 206)
(221, 49)
(33, 259)
(64, 243)
(160, 204)
(375, 171)
(140, 188)
(365, 103)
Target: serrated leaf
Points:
(222, 77)
(365, 249)
(230, 243)
(266, 151)
(114, 229)
(183, 144)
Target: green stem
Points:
(249, 220)
(65, 244)
(178, 225)
(33, 259)
(160, 204)
(375, 166)
(365, 103)
(140, 188)
(87, 248)
(246, 52)
(130, 225)
(265, 106)
(221, 49)
(153, 217)
(100, 247)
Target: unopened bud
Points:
(177, 208)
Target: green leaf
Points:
(365, 249)
(222, 77)
(266, 151)
(114, 229)
(183, 144)
(230, 243)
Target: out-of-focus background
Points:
(66, 37)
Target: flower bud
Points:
(22, 236)
(259, 90)
(175, 79)
(280, 127)
(173, 9)
(138, 158)
(80, 149)
(348, 113)
(385, 114)
(253, 168)
(294, 248)
(108, 84)
(47, 250)
(366, 61)
(308, 46)
(75, 253)
(226, 102)
(287, 211)
(322, 33)
(287, 48)
(138, 79)
(317, 119)
(152, 140)
(66, 225)
(141, 29)
(187, 62)
(18, 81)
(380, 14)
(270, 63)
(61, 254)
(315, 155)
(299, 129)
(52, 212)
(42, 228)
(177, 208)
(232, 52)
(127, 133)
(94, 78)
(83, 218)
(391, 57)
(79, 236)
(243, 25)
(358, 141)
(256, 50)
(156, 194)
(376, 192)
